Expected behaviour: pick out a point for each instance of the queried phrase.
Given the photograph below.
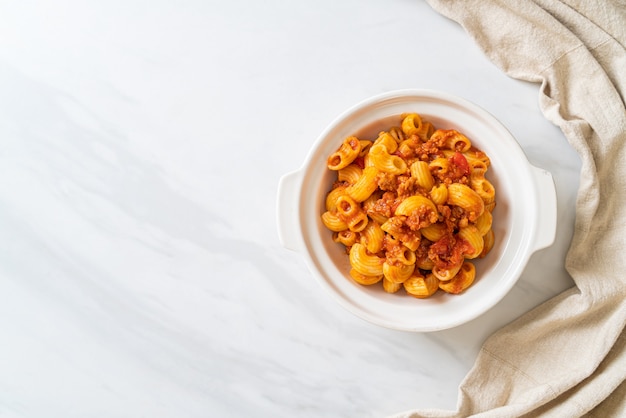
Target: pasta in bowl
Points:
(412, 206)
(417, 193)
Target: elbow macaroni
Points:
(412, 207)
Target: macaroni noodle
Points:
(412, 207)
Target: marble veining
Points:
(140, 151)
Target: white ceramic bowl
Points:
(524, 217)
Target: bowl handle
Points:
(288, 209)
(546, 208)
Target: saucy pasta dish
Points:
(412, 207)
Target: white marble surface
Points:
(141, 144)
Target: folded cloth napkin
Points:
(567, 357)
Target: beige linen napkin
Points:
(567, 357)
